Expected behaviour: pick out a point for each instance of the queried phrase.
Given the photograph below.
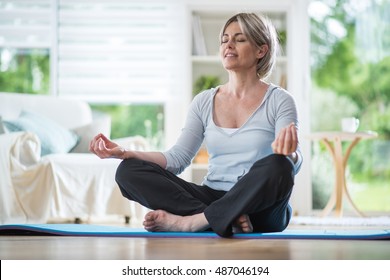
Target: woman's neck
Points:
(243, 85)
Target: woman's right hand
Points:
(101, 146)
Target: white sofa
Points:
(37, 187)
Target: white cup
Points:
(349, 124)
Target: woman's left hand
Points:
(286, 142)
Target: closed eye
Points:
(238, 37)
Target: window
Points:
(350, 68)
(25, 46)
(145, 120)
(108, 53)
(116, 50)
(24, 70)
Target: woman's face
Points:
(236, 51)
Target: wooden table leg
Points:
(340, 176)
(335, 193)
(340, 186)
(345, 189)
(329, 206)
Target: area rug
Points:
(380, 221)
(113, 231)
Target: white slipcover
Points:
(35, 189)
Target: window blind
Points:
(25, 24)
(115, 51)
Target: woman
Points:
(250, 130)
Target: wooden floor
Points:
(107, 248)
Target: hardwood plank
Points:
(107, 248)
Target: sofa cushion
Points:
(100, 124)
(54, 137)
(69, 113)
(2, 129)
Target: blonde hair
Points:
(260, 31)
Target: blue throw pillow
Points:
(54, 138)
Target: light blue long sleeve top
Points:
(232, 152)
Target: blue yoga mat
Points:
(114, 231)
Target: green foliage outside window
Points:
(25, 70)
(344, 68)
(131, 120)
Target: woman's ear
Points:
(262, 51)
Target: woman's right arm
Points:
(105, 148)
(175, 159)
(180, 155)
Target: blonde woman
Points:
(249, 127)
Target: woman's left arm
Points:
(286, 129)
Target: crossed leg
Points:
(139, 180)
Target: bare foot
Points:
(243, 225)
(160, 220)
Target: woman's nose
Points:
(230, 44)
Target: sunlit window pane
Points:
(130, 120)
(350, 54)
(24, 70)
